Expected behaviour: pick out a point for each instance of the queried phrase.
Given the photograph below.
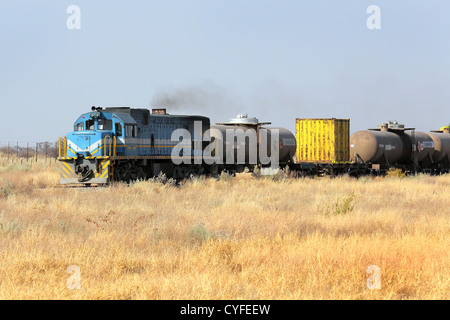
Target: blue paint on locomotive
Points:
(93, 133)
(137, 132)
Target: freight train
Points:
(127, 144)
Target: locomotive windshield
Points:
(104, 124)
(90, 124)
(79, 126)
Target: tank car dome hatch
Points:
(244, 119)
(395, 125)
(391, 126)
(445, 129)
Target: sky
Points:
(276, 60)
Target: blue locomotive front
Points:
(124, 144)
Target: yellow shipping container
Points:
(323, 140)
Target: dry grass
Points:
(243, 238)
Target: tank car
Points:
(441, 154)
(246, 142)
(422, 147)
(393, 145)
(386, 144)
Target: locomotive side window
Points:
(130, 131)
(104, 124)
(118, 129)
(79, 126)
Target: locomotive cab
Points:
(87, 150)
(94, 135)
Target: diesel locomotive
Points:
(125, 144)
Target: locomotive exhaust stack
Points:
(160, 111)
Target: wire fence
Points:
(36, 152)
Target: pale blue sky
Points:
(276, 60)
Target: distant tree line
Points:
(46, 149)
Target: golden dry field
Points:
(240, 238)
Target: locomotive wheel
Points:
(120, 173)
(136, 173)
(181, 173)
(195, 172)
(141, 173)
(201, 171)
(176, 172)
(132, 174)
(127, 173)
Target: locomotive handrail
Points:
(65, 146)
(114, 145)
(64, 143)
